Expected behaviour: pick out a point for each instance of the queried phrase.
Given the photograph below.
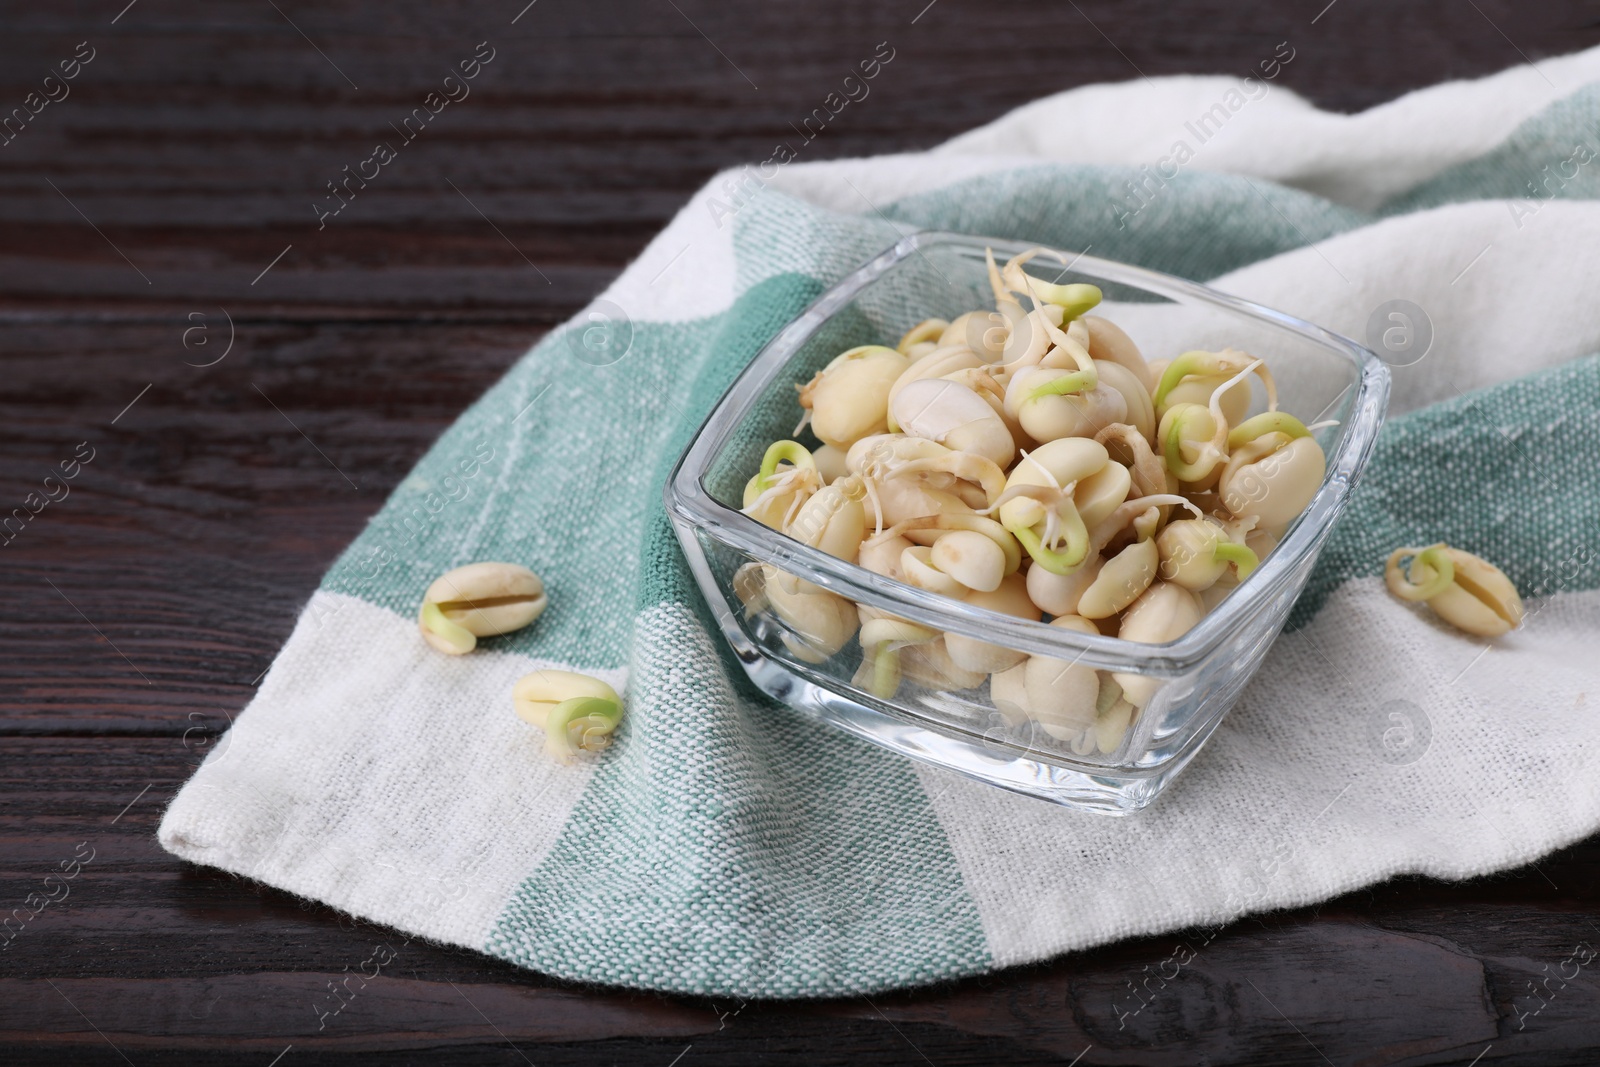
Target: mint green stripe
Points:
(729, 342)
(571, 485)
(733, 848)
(729, 855)
(1552, 155)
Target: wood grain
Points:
(143, 607)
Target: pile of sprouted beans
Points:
(1032, 462)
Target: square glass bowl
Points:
(1320, 376)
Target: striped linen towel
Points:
(724, 845)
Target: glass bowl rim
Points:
(689, 503)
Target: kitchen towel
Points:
(725, 845)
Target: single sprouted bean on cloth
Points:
(1029, 460)
(479, 600)
(576, 712)
(1465, 591)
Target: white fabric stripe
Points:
(351, 704)
(1360, 160)
(1525, 305)
(1292, 800)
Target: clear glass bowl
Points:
(1320, 376)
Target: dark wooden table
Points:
(166, 207)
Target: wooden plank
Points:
(578, 140)
(166, 579)
(1412, 971)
